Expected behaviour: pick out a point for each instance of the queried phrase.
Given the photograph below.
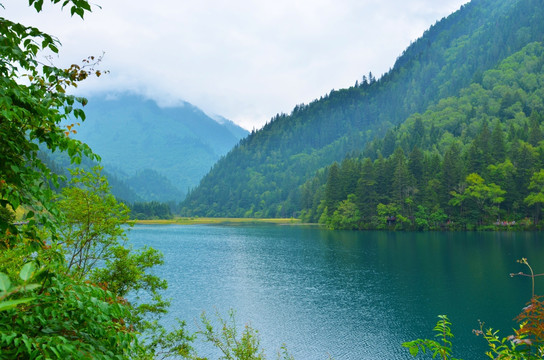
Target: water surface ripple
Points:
(350, 295)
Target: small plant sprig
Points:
(510, 347)
(532, 275)
(527, 342)
(443, 348)
(231, 343)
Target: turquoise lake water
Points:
(348, 295)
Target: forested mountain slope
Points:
(158, 152)
(471, 160)
(262, 175)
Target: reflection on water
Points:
(351, 295)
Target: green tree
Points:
(524, 158)
(536, 196)
(65, 318)
(422, 218)
(333, 189)
(402, 179)
(349, 175)
(417, 133)
(535, 134)
(93, 238)
(33, 104)
(503, 174)
(388, 215)
(498, 143)
(232, 344)
(347, 216)
(389, 143)
(415, 165)
(384, 174)
(479, 152)
(486, 197)
(92, 223)
(367, 197)
(452, 172)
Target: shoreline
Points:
(220, 221)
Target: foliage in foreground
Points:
(527, 342)
(54, 302)
(66, 319)
(65, 270)
(441, 348)
(54, 308)
(232, 344)
(56, 315)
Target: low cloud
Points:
(242, 59)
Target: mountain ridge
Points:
(262, 174)
(139, 142)
(451, 166)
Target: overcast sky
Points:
(242, 59)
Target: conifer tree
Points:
(402, 180)
(367, 197)
(333, 189)
(383, 179)
(452, 171)
(388, 144)
(498, 143)
(415, 165)
(536, 196)
(417, 134)
(535, 133)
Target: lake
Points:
(348, 295)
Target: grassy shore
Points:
(219, 221)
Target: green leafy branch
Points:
(235, 346)
(442, 348)
(7, 289)
(527, 342)
(509, 347)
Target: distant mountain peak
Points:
(133, 134)
(220, 119)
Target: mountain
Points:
(465, 162)
(262, 175)
(236, 130)
(158, 152)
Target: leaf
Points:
(5, 283)
(30, 287)
(38, 5)
(9, 304)
(28, 344)
(414, 350)
(27, 271)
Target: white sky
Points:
(246, 60)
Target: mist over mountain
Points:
(158, 152)
(262, 175)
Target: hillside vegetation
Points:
(158, 153)
(263, 174)
(471, 160)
